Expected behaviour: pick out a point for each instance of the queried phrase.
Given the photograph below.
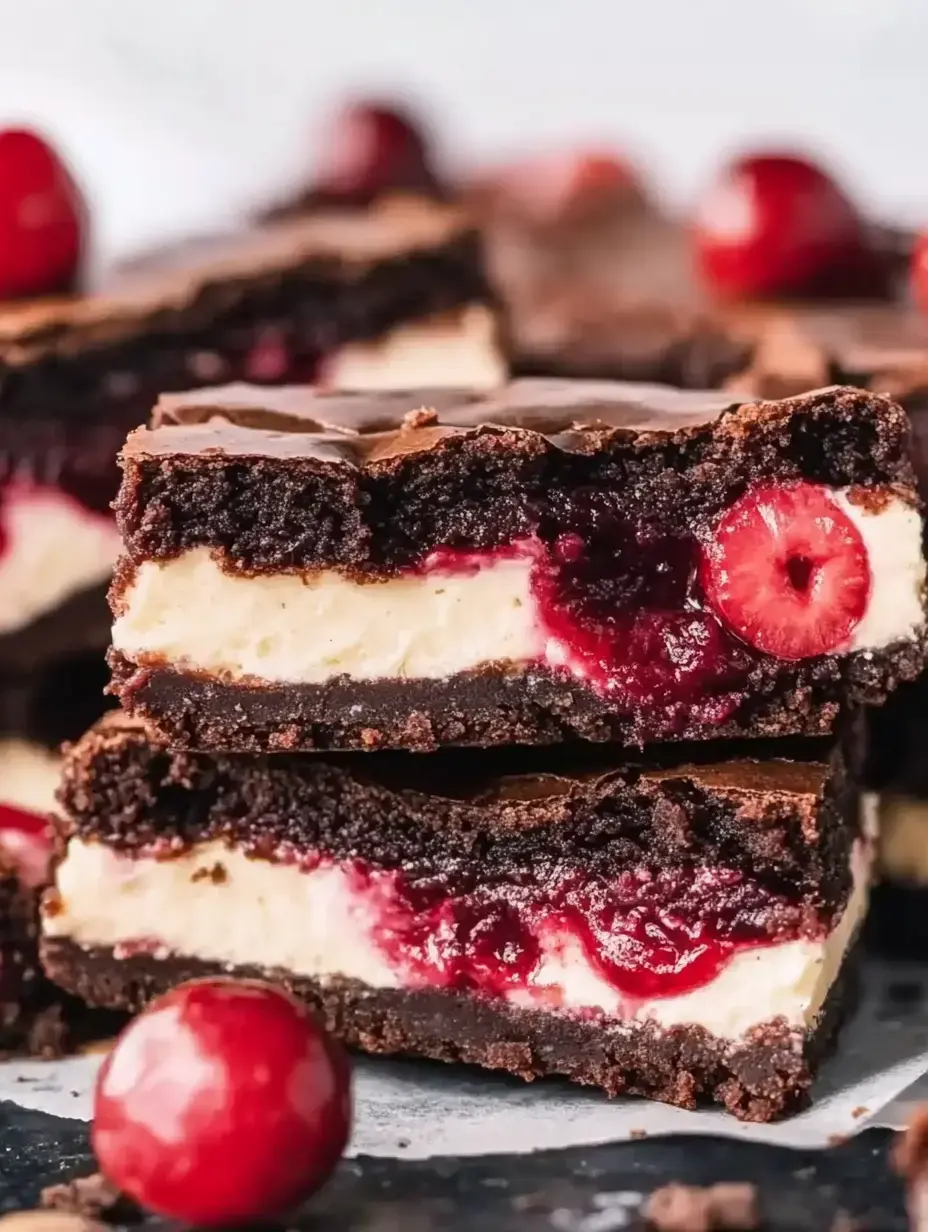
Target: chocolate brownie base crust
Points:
(494, 706)
(493, 815)
(761, 1077)
(289, 479)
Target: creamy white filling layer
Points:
(459, 350)
(53, 548)
(218, 905)
(892, 536)
(29, 776)
(306, 629)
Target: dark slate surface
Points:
(594, 1189)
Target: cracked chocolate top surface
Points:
(361, 430)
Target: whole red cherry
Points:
(776, 224)
(223, 1103)
(42, 218)
(369, 148)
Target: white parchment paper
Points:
(417, 1109)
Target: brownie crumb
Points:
(725, 1207)
(422, 417)
(636, 1134)
(216, 874)
(92, 1197)
(870, 500)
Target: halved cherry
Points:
(788, 571)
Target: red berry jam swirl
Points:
(648, 934)
(673, 623)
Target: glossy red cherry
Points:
(26, 841)
(223, 1103)
(788, 570)
(371, 148)
(42, 218)
(779, 225)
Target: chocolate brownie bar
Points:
(672, 927)
(558, 559)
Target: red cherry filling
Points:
(223, 1103)
(42, 217)
(670, 627)
(26, 840)
(778, 225)
(646, 934)
(615, 603)
(788, 571)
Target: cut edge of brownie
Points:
(760, 1077)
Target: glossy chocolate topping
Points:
(572, 416)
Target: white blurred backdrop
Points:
(176, 113)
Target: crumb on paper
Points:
(860, 1111)
(637, 1134)
(724, 1207)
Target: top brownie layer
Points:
(186, 279)
(294, 479)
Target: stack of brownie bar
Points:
(515, 727)
(361, 298)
